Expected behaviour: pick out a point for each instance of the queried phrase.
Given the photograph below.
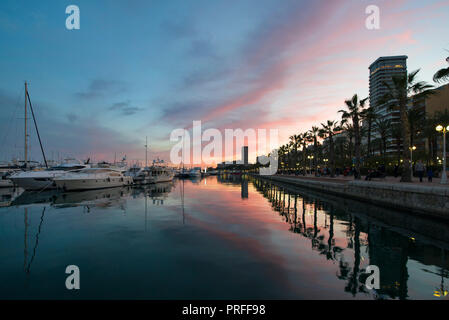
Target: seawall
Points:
(430, 201)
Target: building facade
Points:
(382, 72)
(245, 155)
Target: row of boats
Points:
(73, 175)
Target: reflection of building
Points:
(382, 71)
(245, 155)
(390, 253)
(244, 189)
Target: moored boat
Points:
(44, 179)
(93, 178)
(154, 174)
(5, 182)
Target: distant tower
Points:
(245, 155)
(382, 70)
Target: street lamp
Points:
(411, 160)
(310, 158)
(441, 128)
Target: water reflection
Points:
(235, 179)
(362, 240)
(27, 265)
(101, 198)
(245, 238)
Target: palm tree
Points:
(282, 152)
(401, 88)
(415, 119)
(442, 74)
(305, 137)
(350, 133)
(296, 141)
(314, 135)
(430, 134)
(340, 149)
(369, 115)
(328, 131)
(382, 127)
(355, 109)
(290, 147)
(396, 134)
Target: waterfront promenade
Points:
(388, 179)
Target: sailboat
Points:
(40, 180)
(44, 179)
(27, 99)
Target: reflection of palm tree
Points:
(352, 285)
(304, 225)
(315, 227)
(329, 254)
(441, 291)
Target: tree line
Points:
(338, 143)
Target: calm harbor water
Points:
(223, 237)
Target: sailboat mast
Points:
(35, 125)
(182, 150)
(26, 140)
(146, 151)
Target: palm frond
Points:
(441, 75)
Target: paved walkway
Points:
(392, 180)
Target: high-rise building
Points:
(382, 72)
(245, 155)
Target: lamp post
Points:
(310, 158)
(411, 160)
(443, 129)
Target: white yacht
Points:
(154, 174)
(4, 179)
(93, 178)
(43, 179)
(161, 174)
(133, 172)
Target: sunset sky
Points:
(144, 68)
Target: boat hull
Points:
(33, 183)
(4, 183)
(153, 179)
(89, 184)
